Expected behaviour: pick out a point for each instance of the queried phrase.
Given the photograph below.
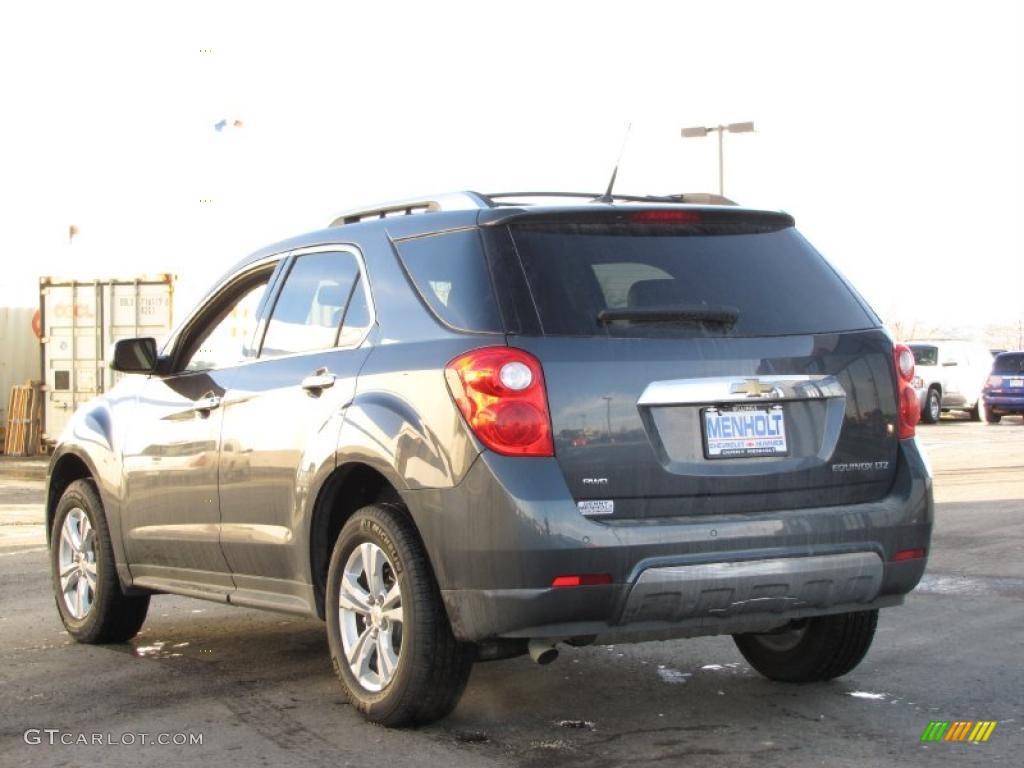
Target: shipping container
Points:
(19, 352)
(80, 321)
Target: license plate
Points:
(744, 432)
(1017, 383)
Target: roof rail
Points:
(449, 201)
(468, 201)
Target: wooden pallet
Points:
(24, 420)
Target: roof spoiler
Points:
(468, 200)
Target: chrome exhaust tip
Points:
(542, 651)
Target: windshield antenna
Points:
(607, 196)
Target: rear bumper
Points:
(769, 585)
(1005, 403)
(683, 601)
(499, 539)
(485, 614)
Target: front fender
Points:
(90, 439)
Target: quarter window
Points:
(450, 273)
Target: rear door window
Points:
(357, 317)
(773, 281)
(309, 310)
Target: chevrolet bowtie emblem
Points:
(753, 388)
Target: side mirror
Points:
(134, 355)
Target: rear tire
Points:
(979, 412)
(993, 418)
(88, 592)
(932, 411)
(821, 648)
(415, 670)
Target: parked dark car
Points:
(467, 428)
(1004, 390)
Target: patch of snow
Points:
(672, 676)
(148, 650)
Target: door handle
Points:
(321, 379)
(206, 403)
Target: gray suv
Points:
(466, 428)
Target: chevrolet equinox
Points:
(469, 427)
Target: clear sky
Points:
(894, 132)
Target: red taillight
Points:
(500, 391)
(582, 580)
(908, 405)
(669, 216)
(904, 361)
(909, 554)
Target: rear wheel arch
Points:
(350, 487)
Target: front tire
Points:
(811, 650)
(388, 632)
(932, 407)
(89, 598)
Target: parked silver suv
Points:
(950, 377)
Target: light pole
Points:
(699, 131)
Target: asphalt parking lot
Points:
(259, 689)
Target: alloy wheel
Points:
(371, 616)
(77, 563)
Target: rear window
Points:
(925, 354)
(625, 283)
(450, 274)
(1009, 364)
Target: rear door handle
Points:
(321, 379)
(206, 403)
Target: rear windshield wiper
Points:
(700, 313)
